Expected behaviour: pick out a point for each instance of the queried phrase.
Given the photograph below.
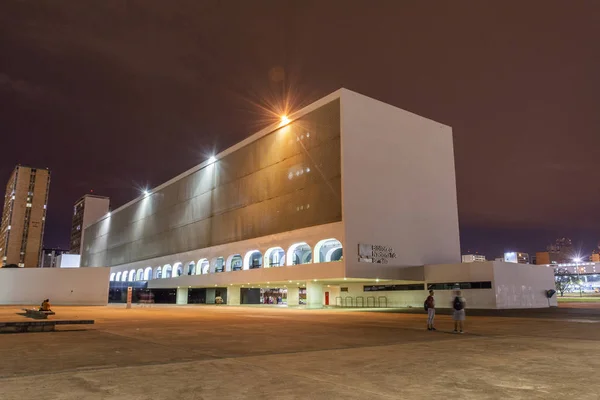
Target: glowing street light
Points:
(212, 159)
(284, 120)
(577, 260)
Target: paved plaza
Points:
(221, 352)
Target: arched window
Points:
(253, 259)
(299, 253)
(124, 276)
(177, 269)
(139, 275)
(234, 263)
(158, 274)
(132, 275)
(274, 257)
(112, 277)
(328, 250)
(167, 271)
(118, 277)
(203, 267)
(219, 264)
(148, 273)
(191, 268)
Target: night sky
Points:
(115, 96)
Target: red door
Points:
(326, 298)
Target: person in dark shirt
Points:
(430, 311)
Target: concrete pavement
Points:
(196, 352)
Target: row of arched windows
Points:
(327, 250)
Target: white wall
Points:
(76, 286)
(463, 272)
(68, 261)
(523, 285)
(398, 183)
(399, 298)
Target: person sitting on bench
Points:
(45, 305)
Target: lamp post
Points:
(577, 260)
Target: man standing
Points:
(430, 304)
(458, 304)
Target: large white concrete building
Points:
(350, 202)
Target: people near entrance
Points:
(45, 305)
(458, 305)
(430, 307)
(218, 300)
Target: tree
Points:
(564, 280)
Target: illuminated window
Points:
(274, 257)
(177, 270)
(328, 250)
(191, 267)
(203, 267)
(253, 259)
(234, 263)
(299, 253)
(219, 264)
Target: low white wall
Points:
(399, 298)
(523, 286)
(77, 286)
(463, 272)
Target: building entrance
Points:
(273, 296)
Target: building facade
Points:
(86, 210)
(338, 205)
(24, 216)
(517, 257)
(469, 258)
(50, 257)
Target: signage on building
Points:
(374, 253)
(129, 295)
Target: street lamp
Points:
(577, 260)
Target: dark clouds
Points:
(114, 95)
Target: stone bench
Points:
(33, 313)
(40, 326)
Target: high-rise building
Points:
(24, 216)
(469, 258)
(86, 211)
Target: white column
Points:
(233, 295)
(293, 296)
(182, 295)
(314, 295)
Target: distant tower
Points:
(86, 211)
(24, 216)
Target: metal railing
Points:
(359, 302)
